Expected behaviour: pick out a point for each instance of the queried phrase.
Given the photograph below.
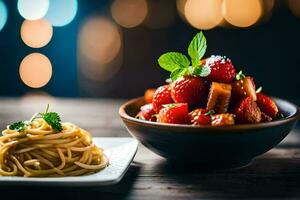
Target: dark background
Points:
(268, 51)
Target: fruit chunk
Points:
(176, 113)
(219, 97)
(222, 119)
(265, 118)
(243, 88)
(161, 96)
(147, 113)
(148, 96)
(247, 111)
(188, 89)
(200, 117)
(267, 105)
(221, 69)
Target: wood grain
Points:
(275, 175)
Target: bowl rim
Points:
(128, 118)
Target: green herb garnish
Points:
(211, 112)
(52, 118)
(240, 76)
(179, 65)
(18, 126)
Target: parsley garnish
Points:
(18, 126)
(52, 118)
(179, 65)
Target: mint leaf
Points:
(17, 126)
(179, 72)
(240, 76)
(173, 60)
(201, 71)
(211, 112)
(197, 48)
(53, 120)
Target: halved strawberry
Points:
(161, 96)
(148, 96)
(247, 111)
(267, 105)
(200, 117)
(147, 113)
(222, 119)
(221, 69)
(242, 88)
(188, 89)
(176, 113)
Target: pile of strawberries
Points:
(220, 97)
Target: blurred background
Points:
(102, 48)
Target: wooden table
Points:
(275, 175)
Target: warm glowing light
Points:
(294, 6)
(3, 14)
(242, 13)
(33, 9)
(36, 33)
(129, 13)
(100, 40)
(99, 48)
(35, 70)
(203, 14)
(180, 4)
(61, 13)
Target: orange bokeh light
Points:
(129, 13)
(100, 40)
(294, 6)
(242, 13)
(203, 14)
(35, 70)
(36, 33)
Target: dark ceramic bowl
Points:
(217, 147)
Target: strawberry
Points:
(161, 96)
(221, 69)
(148, 96)
(200, 117)
(267, 105)
(222, 119)
(242, 88)
(247, 111)
(188, 89)
(147, 113)
(176, 113)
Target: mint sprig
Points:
(52, 118)
(197, 49)
(179, 65)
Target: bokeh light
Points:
(294, 6)
(129, 13)
(99, 47)
(35, 70)
(242, 13)
(33, 9)
(61, 13)
(36, 33)
(203, 14)
(180, 4)
(3, 14)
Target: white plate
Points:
(120, 152)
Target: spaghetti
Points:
(40, 151)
